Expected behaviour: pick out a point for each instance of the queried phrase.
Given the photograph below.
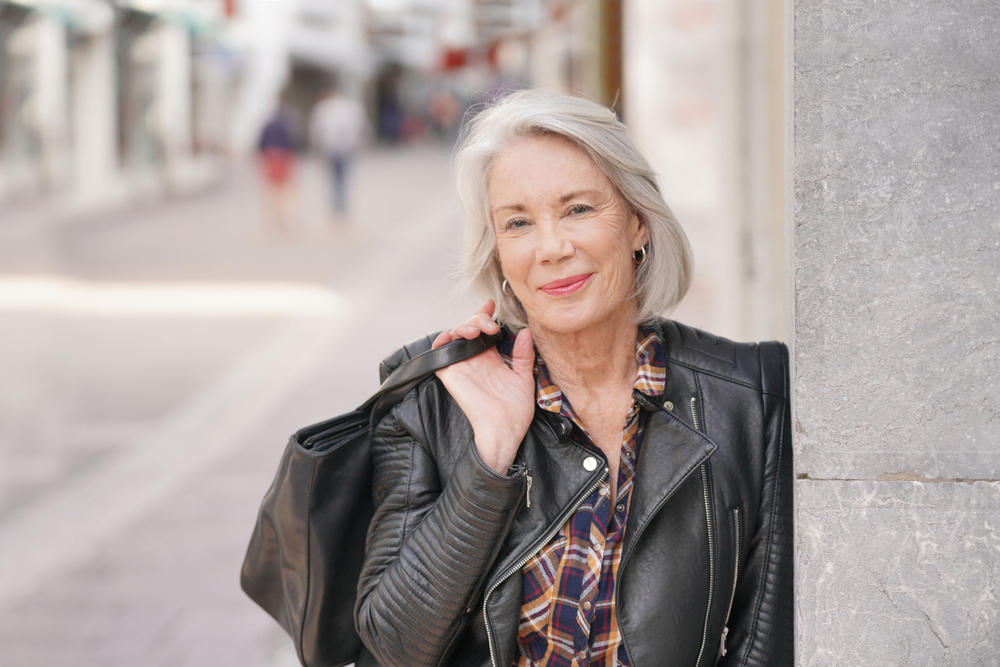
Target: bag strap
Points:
(410, 373)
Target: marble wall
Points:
(896, 243)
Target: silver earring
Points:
(639, 256)
(506, 288)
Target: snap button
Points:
(590, 464)
(668, 405)
(620, 507)
(587, 605)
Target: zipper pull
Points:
(528, 504)
(722, 645)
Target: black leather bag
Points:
(305, 554)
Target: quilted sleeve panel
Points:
(762, 625)
(428, 549)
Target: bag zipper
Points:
(736, 574)
(558, 524)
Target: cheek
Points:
(513, 257)
(617, 256)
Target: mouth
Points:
(565, 286)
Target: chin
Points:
(568, 318)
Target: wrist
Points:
(497, 453)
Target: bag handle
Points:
(422, 366)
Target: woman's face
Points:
(564, 236)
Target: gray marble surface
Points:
(897, 238)
(896, 241)
(898, 573)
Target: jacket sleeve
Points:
(429, 548)
(761, 630)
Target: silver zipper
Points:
(694, 413)
(517, 566)
(736, 574)
(527, 497)
(711, 559)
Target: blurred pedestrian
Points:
(277, 158)
(336, 128)
(444, 112)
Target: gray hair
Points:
(664, 277)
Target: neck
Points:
(600, 356)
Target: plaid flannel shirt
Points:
(568, 616)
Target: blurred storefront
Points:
(105, 103)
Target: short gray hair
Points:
(661, 281)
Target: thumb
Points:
(523, 354)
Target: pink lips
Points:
(565, 286)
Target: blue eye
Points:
(581, 208)
(516, 223)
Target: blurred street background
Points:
(217, 216)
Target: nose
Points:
(553, 243)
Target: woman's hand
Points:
(498, 401)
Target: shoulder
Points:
(759, 366)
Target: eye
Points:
(579, 209)
(516, 223)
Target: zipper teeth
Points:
(736, 567)
(694, 413)
(711, 561)
(517, 566)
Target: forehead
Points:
(542, 166)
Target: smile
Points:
(565, 286)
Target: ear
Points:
(638, 229)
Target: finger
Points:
(484, 323)
(443, 338)
(466, 330)
(487, 308)
(523, 354)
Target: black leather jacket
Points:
(708, 548)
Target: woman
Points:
(606, 487)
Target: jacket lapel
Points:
(671, 451)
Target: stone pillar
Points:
(174, 102)
(95, 121)
(896, 241)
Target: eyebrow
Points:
(578, 193)
(562, 200)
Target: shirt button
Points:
(587, 605)
(620, 507)
(668, 405)
(547, 402)
(590, 464)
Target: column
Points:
(95, 121)
(896, 240)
